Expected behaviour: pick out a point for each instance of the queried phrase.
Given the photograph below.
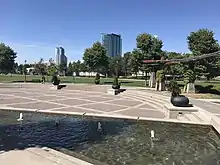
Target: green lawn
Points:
(69, 79)
(212, 87)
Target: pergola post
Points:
(152, 81)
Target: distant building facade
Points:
(60, 56)
(112, 43)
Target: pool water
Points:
(118, 142)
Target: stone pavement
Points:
(77, 98)
(38, 156)
(93, 99)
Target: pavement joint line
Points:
(100, 102)
(127, 108)
(147, 102)
(28, 102)
(127, 97)
(150, 97)
(41, 101)
(51, 109)
(89, 109)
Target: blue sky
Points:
(33, 28)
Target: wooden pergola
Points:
(183, 60)
(176, 61)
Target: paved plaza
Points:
(87, 99)
(77, 98)
(93, 99)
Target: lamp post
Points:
(25, 70)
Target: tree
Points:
(136, 61)
(126, 67)
(62, 68)
(76, 67)
(7, 59)
(52, 68)
(115, 65)
(203, 42)
(151, 49)
(40, 68)
(20, 68)
(83, 67)
(176, 69)
(69, 69)
(95, 57)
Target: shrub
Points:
(97, 79)
(160, 75)
(115, 81)
(189, 76)
(174, 88)
(55, 80)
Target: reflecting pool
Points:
(112, 141)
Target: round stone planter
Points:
(115, 86)
(180, 101)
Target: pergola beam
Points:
(183, 60)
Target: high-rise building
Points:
(60, 56)
(112, 43)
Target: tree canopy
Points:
(7, 59)
(95, 57)
(203, 42)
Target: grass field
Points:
(202, 87)
(69, 79)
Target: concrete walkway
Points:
(38, 156)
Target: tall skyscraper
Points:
(60, 56)
(112, 43)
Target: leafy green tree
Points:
(40, 68)
(126, 67)
(136, 61)
(20, 68)
(7, 59)
(95, 57)
(51, 69)
(174, 69)
(76, 67)
(203, 42)
(151, 49)
(115, 65)
(83, 67)
(69, 69)
(62, 68)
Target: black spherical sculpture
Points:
(180, 101)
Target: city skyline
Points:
(35, 28)
(60, 56)
(112, 43)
